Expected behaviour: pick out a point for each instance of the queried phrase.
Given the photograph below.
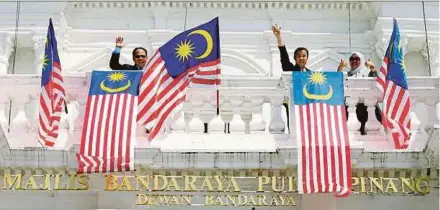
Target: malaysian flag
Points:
(191, 58)
(108, 137)
(392, 83)
(52, 96)
(323, 146)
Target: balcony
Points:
(252, 116)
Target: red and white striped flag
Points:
(324, 163)
(52, 96)
(108, 137)
(391, 81)
(190, 58)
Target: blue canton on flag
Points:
(324, 163)
(191, 58)
(392, 82)
(52, 94)
(108, 137)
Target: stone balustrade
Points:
(250, 110)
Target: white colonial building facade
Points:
(259, 147)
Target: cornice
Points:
(292, 5)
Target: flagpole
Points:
(426, 37)
(17, 20)
(349, 27)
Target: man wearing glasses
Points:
(139, 57)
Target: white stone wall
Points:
(86, 31)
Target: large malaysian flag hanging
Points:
(108, 136)
(322, 137)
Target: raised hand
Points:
(119, 42)
(369, 64)
(342, 65)
(276, 30)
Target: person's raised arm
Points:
(285, 61)
(114, 59)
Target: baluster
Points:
(257, 123)
(208, 110)
(77, 110)
(419, 118)
(179, 123)
(31, 112)
(353, 124)
(67, 125)
(430, 104)
(195, 123)
(276, 125)
(18, 119)
(226, 113)
(372, 124)
(415, 122)
(237, 125)
(246, 114)
(4, 111)
(188, 117)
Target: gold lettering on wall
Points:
(211, 190)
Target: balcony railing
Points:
(250, 110)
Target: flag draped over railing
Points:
(109, 135)
(324, 163)
(191, 58)
(52, 96)
(393, 85)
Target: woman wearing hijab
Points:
(360, 68)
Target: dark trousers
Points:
(288, 117)
(362, 115)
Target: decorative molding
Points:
(383, 40)
(6, 46)
(316, 6)
(433, 46)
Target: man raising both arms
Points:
(139, 57)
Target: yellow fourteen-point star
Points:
(117, 76)
(184, 50)
(317, 78)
